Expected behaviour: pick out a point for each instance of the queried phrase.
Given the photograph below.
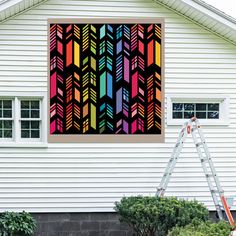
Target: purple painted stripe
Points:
(125, 126)
(119, 47)
(119, 101)
(126, 69)
(127, 45)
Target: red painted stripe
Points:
(69, 53)
(150, 54)
(141, 47)
(60, 47)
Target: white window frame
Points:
(16, 98)
(31, 119)
(222, 99)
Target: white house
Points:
(200, 72)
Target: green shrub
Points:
(17, 224)
(150, 215)
(208, 228)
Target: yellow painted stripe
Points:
(93, 63)
(93, 116)
(158, 54)
(76, 54)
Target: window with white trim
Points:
(20, 119)
(209, 109)
(30, 119)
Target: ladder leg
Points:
(208, 174)
(216, 179)
(227, 210)
(207, 165)
(172, 162)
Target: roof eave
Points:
(220, 19)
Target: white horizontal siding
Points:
(90, 177)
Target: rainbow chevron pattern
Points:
(105, 79)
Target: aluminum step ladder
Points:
(192, 126)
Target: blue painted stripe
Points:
(109, 85)
(110, 28)
(102, 31)
(102, 107)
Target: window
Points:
(6, 119)
(30, 119)
(20, 120)
(199, 110)
(209, 109)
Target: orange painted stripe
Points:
(158, 94)
(227, 211)
(77, 95)
(69, 53)
(150, 54)
(85, 110)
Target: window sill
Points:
(23, 145)
(173, 122)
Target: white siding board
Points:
(90, 177)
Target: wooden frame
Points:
(110, 138)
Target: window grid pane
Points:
(30, 109)
(5, 108)
(30, 129)
(199, 110)
(30, 119)
(6, 120)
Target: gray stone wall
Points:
(84, 224)
(80, 224)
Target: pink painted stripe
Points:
(134, 127)
(53, 90)
(135, 84)
(125, 112)
(53, 127)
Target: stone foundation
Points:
(84, 224)
(80, 224)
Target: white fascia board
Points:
(211, 12)
(8, 3)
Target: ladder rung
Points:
(177, 144)
(209, 175)
(160, 189)
(198, 144)
(220, 207)
(165, 174)
(215, 191)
